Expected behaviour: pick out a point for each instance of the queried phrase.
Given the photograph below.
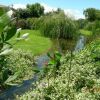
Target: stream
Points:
(62, 46)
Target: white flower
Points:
(9, 13)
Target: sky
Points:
(73, 8)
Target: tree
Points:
(81, 23)
(36, 10)
(58, 25)
(22, 13)
(90, 14)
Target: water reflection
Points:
(80, 43)
(63, 45)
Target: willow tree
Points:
(58, 25)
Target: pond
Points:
(58, 45)
(62, 46)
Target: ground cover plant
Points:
(77, 79)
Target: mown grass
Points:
(35, 43)
(85, 32)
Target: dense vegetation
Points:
(11, 69)
(54, 25)
(69, 76)
(78, 77)
(34, 10)
(58, 25)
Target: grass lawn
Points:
(85, 32)
(36, 43)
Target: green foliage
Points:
(81, 23)
(83, 83)
(93, 27)
(54, 61)
(7, 31)
(89, 26)
(23, 24)
(36, 10)
(3, 9)
(58, 25)
(35, 23)
(79, 83)
(32, 10)
(85, 32)
(90, 14)
(20, 65)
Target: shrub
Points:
(77, 72)
(34, 23)
(23, 24)
(19, 62)
(94, 27)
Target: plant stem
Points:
(69, 74)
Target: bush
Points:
(19, 62)
(94, 27)
(23, 24)
(34, 23)
(77, 79)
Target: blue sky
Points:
(70, 6)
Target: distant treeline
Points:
(55, 23)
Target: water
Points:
(61, 46)
(80, 44)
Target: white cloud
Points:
(74, 13)
(16, 6)
(70, 12)
(48, 8)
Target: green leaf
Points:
(10, 33)
(48, 54)
(18, 32)
(52, 62)
(5, 74)
(2, 37)
(12, 78)
(57, 55)
(1, 46)
(4, 20)
(11, 84)
(6, 52)
(36, 70)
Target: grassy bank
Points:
(35, 43)
(85, 32)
